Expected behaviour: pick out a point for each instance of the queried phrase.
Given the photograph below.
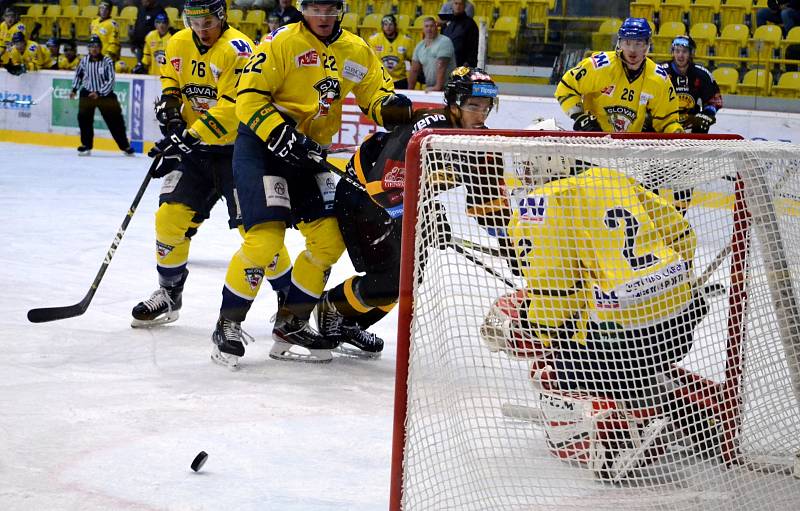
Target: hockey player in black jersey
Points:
(371, 221)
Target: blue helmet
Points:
(635, 28)
(161, 18)
(18, 37)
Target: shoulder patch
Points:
(309, 58)
(600, 60)
(532, 209)
(660, 71)
(353, 71)
(241, 47)
(177, 63)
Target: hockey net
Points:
(476, 426)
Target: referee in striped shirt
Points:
(94, 78)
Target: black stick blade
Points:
(46, 314)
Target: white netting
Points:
(731, 403)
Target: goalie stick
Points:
(27, 102)
(46, 314)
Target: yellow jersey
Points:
(153, 54)
(6, 32)
(108, 32)
(599, 84)
(48, 60)
(600, 246)
(205, 80)
(32, 57)
(63, 63)
(294, 75)
(393, 54)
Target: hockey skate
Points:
(161, 308)
(229, 340)
(292, 332)
(352, 340)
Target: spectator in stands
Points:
(69, 60)
(94, 79)
(393, 49)
(273, 22)
(434, 56)
(24, 56)
(155, 47)
(50, 52)
(447, 8)
(107, 30)
(144, 24)
(463, 32)
(264, 5)
(780, 12)
(8, 28)
(286, 12)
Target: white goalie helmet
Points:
(540, 169)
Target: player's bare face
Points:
(207, 29)
(162, 28)
(20, 46)
(681, 56)
(9, 19)
(389, 29)
(474, 112)
(321, 19)
(634, 51)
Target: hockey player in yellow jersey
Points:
(197, 116)
(25, 55)
(394, 49)
(10, 26)
(69, 59)
(107, 30)
(155, 44)
(289, 101)
(615, 91)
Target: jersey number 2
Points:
(612, 221)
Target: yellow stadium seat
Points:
(84, 3)
(674, 10)
(537, 17)
(734, 12)
(727, 78)
(84, 21)
(49, 21)
(431, 6)
(382, 7)
(255, 21)
(511, 7)
(35, 12)
(174, 16)
(484, 19)
(793, 37)
(606, 36)
(728, 47)
(645, 9)
(703, 11)
(765, 40)
(667, 32)
(235, 18)
(756, 82)
(127, 17)
(788, 86)
(369, 25)
(486, 8)
(502, 37)
(403, 22)
(407, 8)
(350, 22)
(66, 20)
(358, 7)
(704, 35)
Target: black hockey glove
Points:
(16, 70)
(139, 69)
(164, 165)
(176, 144)
(702, 122)
(585, 122)
(395, 111)
(290, 145)
(168, 115)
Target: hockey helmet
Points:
(10, 12)
(203, 8)
(635, 28)
(469, 82)
(18, 37)
(389, 18)
(52, 43)
(104, 9)
(338, 3)
(95, 41)
(685, 41)
(161, 18)
(548, 164)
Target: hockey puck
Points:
(199, 461)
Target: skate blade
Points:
(631, 458)
(282, 350)
(353, 352)
(224, 359)
(164, 319)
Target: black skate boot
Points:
(289, 330)
(161, 308)
(336, 327)
(229, 340)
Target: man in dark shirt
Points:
(145, 23)
(462, 30)
(286, 12)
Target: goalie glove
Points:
(702, 121)
(585, 121)
(290, 145)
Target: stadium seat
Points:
(728, 47)
(703, 11)
(704, 35)
(430, 6)
(84, 3)
(502, 37)
(49, 21)
(727, 78)
(793, 37)
(254, 22)
(407, 8)
(84, 21)
(403, 22)
(350, 22)
(756, 82)
(383, 7)
(127, 17)
(358, 7)
(174, 16)
(537, 17)
(667, 32)
(674, 10)
(483, 19)
(66, 21)
(35, 12)
(761, 47)
(788, 85)
(486, 8)
(645, 9)
(734, 12)
(235, 18)
(514, 7)
(606, 36)
(369, 25)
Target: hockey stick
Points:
(491, 271)
(70, 311)
(26, 102)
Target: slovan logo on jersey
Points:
(620, 117)
(202, 97)
(329, 91)
(163, 250)
(254, 276)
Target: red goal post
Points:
(728, 213)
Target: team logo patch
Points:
(274, 264)
(242, 47)
(254, 276)
(620, 117)
(353, 71)
(202, 97)
(608, 90)
(307, 59)
(600, 60)
(390, 62)
(329, 91)
(163, 250)
(532, 209)
(177, 63)
(662, 73)
(215, 72)
(394, 175)
(276, 194)
(644, 98)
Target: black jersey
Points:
(697, 91)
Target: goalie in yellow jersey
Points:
(615, 91)
(197, 116)
(289, 102)
(610, 306)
